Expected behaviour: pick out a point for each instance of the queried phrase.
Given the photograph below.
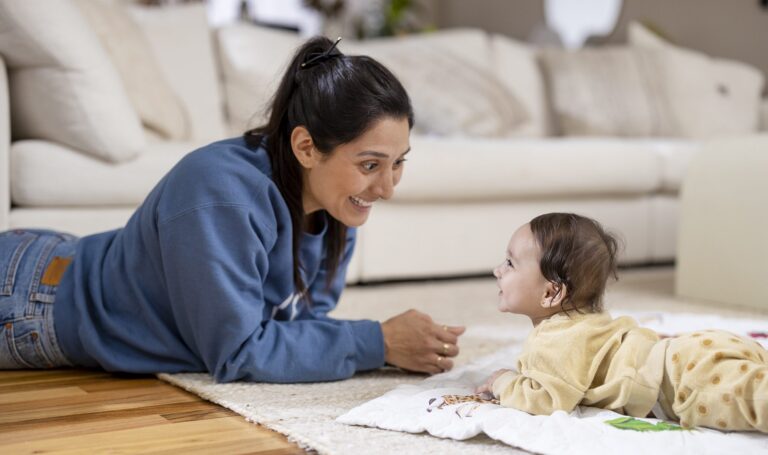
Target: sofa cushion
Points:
(709, 97)
(157, 105)
(455, 93)
(453, 169)
(5, 141)
(46, 174)
(515, 65)
(63, 87)
(182, 44)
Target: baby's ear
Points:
(554, 295)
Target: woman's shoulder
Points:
(230, 157)
(223, 173)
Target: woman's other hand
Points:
(487, 387)
(412, 341)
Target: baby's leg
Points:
(723, 382)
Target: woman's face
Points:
(349, 180)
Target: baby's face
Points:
(522, 287)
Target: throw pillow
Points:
(708, 96)
(182, 43)
(149, 92)
(63, 87)
(448, 75)
(607, 92)
(516, 67)
(451, 80)
(253, 59)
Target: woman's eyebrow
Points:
(379, 154)
(374, 154)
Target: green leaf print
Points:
(631, 423)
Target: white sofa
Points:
(461, 195)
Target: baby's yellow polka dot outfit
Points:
(716, 379)
(708, 378)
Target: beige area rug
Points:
(306, 412)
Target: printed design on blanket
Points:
(467, 403)
(631, 423)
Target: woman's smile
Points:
(361, 204)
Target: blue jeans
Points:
(32, 263)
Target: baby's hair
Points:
(576, 252)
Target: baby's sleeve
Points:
(536, 392)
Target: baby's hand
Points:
(487, 387)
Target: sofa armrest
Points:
(721, 246)
(5, 143)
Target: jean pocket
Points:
(21, 346)
(40, 290)
(13, 245)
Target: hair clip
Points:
(317, 58)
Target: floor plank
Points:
(77, 411)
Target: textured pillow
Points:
(63, 87)
(448, 75)
(614, 91)
(708, 96)
(149, 92)
(451, 80)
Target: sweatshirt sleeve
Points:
(215, 259)
(324, 297)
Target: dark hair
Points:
(576, 252)
(336, 98)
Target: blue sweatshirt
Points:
(201, 279)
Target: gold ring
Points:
(446, 346)
(439, 359)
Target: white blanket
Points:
(416, 408)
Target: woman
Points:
(233, 261)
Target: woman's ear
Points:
(303, 147)
(554, 295)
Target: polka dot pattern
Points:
(717, 379)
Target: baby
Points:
(555, 272)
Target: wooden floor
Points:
(80, 411)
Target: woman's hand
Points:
(487, 387)
(412, 341)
